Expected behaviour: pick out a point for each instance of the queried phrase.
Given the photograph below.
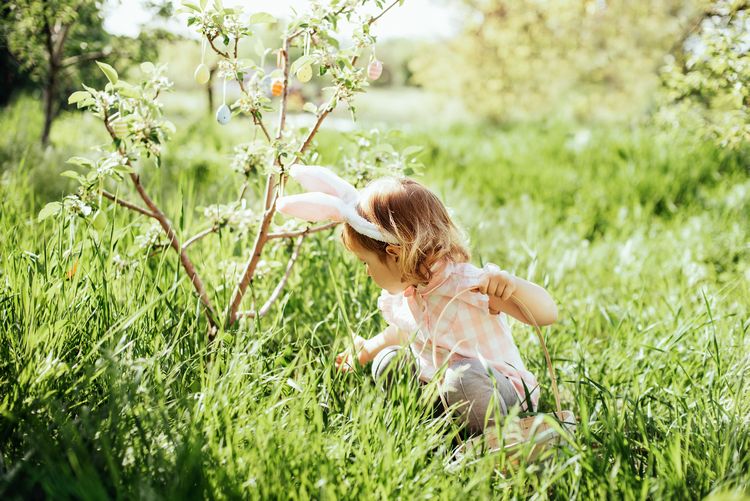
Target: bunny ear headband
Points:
(328, 197)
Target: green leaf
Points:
(123, 169)
(78, 96)
(147, 67)
(331, 40)
(72, 174)
(82, 161)
(191, 5)
(51, 209)
(310, 108)
(127, 90)
(301, 62)
(412, 150)
(108, 71)
(86, 102)
(262, 18)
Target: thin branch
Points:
(242, 191)
(198, 236)
(219, 52)
(63, 32)
(82, 58)
(252, 263)
(315, 128)
(258, 120)
(127, 204)
(284, 90)
(306, 231)
(373, 19)
(174, 242)
(280, 286)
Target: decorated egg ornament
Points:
(223, 114)
(304, 74)
(120, 128)
(202, 74)
(277, 88)
(374, 69)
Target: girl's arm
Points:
(536, 299)
(500, 285)
(389, 337)
(367, 349)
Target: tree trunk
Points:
(49, 103)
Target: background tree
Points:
(52, 40)
(523, 59)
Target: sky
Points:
(419, 19)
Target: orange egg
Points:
(277, 88)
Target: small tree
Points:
(133, 119)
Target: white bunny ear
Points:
(315, 206)
(365, 227)
(323, 179)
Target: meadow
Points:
(108, 388)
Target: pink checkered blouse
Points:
(467, 329)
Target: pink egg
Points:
(374, 69)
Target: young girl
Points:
(438, 306)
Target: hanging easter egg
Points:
(277, 88)
(223, 114)
(374, 69)
(202, 75)
(304, 74)
(265, 84)
(120, 128)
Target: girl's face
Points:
(386, 275)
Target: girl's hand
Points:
(497, 283)
(345, 359)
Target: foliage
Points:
(711, 74)
(53, 41)
(579, 59)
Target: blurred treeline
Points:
(587, 60)
(681, 62)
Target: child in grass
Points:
(440, 308)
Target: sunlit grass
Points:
(108, 388)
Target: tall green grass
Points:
(106, 389)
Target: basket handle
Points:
(538, 331)
(544, 348)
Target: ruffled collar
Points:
(440, 273)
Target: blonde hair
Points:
(417, 218)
